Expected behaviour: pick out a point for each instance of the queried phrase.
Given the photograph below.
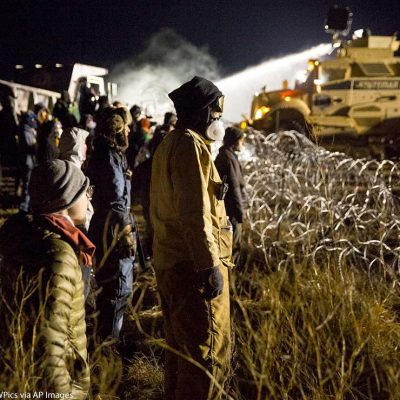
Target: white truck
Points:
(45, 83)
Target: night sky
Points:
(236, 33)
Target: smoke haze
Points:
(169, 60)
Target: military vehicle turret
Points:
(348, 103)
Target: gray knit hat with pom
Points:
(56, 185)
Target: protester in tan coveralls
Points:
(192, 245)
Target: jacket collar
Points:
(74, 236)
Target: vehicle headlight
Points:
(260, 112)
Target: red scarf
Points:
(74, 236)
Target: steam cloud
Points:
(169, 60)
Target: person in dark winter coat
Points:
(162, 130)
(43, 115)
(88, 123)
(112, 227)
(43, 345)
(27, 149)
(137, 136)
(8, 127)
(47, 149)
(62, 113)
(230, 170)
(44, 129)
(103, 103)
(87, 98)
(142, 176)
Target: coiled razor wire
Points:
(309, 205)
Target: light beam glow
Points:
(239, 88)
(147, 79)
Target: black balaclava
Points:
(192, 102)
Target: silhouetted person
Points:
(87, 99)
(162, 130)
(229, 168)
(8, 127)
(137, 136)
(27, 150)
(142, 176)
(47, 149)
(112, 227)
(62, 113)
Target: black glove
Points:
(212, 282)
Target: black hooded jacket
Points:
(228, 166)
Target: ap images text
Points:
(34, 395)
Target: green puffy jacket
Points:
(188, 215)
(43, 342)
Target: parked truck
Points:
(79, 86)
(44, 84)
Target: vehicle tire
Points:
(297, 125)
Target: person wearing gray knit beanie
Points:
(43, 257)
(55, 186)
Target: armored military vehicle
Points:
(348, 103)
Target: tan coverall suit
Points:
(191, 233)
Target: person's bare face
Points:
(78, 211)
(43, 116)
(240, 145)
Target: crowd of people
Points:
(75, 229)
